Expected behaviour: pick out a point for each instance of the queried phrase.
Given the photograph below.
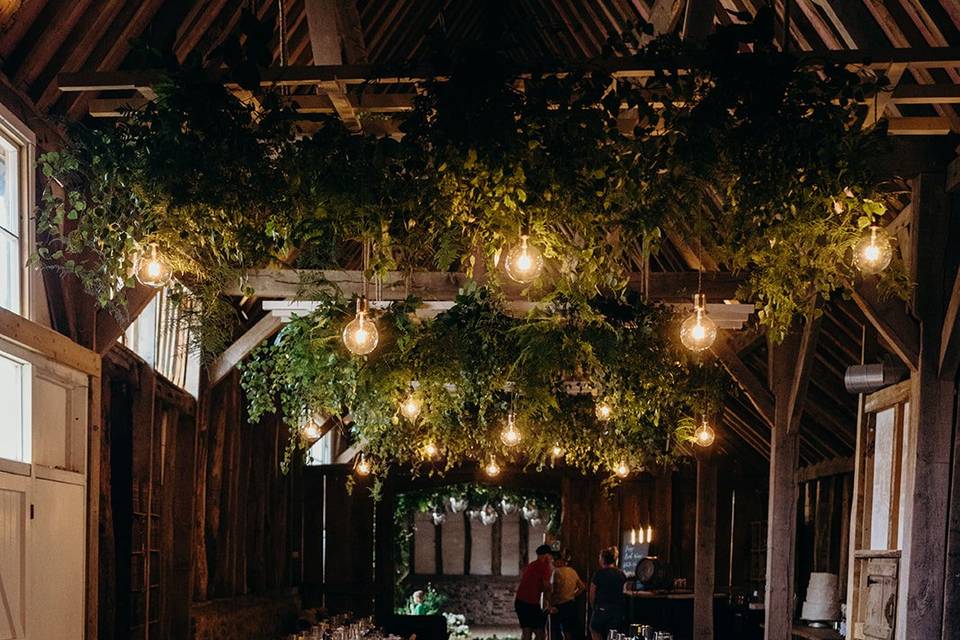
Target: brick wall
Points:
(484, 600)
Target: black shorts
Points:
(566, 618)
(531, 616)
(606, 619)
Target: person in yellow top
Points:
(567, 586)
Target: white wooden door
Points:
(14, 524)
(56, 573)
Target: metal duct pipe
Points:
(867, 378)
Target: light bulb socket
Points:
(700, 302)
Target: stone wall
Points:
(245, 618)
(484, 600)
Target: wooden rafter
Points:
(756, 392)
(950, 335)
(889, 317)
(324, 28)
(243, 346)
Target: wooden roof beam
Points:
(914, 57)
(889, 317)
(243, 346)
(323, 24)
(434, 285)
(950, 334)
(756, 392)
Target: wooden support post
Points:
(927, 473)
(790, 364)
(706, 547)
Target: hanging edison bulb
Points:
(524, 262)
(152, 269)
(704, 434)
(492, 469)
(603, 410)
(410, 407)
(622, 469)
(360, 336)
(430, 450)
(698, 331)
(363, 466)
(873, 252)
(511, 436)
(311, 431)
(556, 451)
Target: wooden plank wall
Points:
(250, 540)
(147, 467)
(823, 520)
(219, 510)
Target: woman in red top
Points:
(534, 582)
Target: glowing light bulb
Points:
(524, 262)
(649, 534)
(556, 451)
(510, 436)
(698, 332)
(430, 450)
(152, 270)
(603, 410)
(622, 469)
(492, 469)
(363, 466)
(360, 336)
(704, 435)
(873, 252)
(312, 431)
(410, 407)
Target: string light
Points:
(698, 331)
(873, 252)
(430, 450)
(524, 262)
(704, 434)
(603, 410)
(410, 408)
(492, 469)
(622, 469)
(511, 436)
(151, 269)
(363, 466)
(360, 336)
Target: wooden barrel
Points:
(653, 573)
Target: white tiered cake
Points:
(822, 603)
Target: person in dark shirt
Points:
(606, 595)
(534, 582)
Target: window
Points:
(15, 400)
(11, 258)
(16, 200)
(159, 337)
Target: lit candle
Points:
(649, 534)
(641, 535)
(633, 536)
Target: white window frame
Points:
(21, 136)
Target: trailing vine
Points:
(473, 365)
(771, 151)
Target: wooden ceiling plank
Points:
(190, 38)
(44, 48)
(18, 25)
(118, 50)
(91, 31)
(837, 23)
(823, 30)
(243, 346)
